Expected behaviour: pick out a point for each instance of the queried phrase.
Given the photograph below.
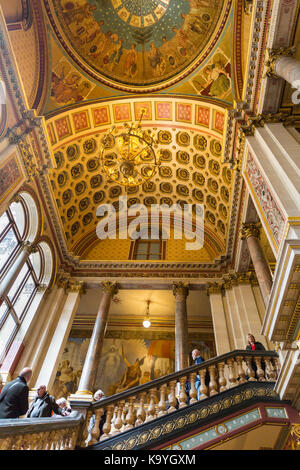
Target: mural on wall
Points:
(139, 43)
(124, 364)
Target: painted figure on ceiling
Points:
(219, 78)
(131, 61)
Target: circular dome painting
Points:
(138, 44)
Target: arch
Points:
(48, 263)
(33, 218)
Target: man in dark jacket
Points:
(43, 405)
(14, 396)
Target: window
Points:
(148, 250)
(18, 224)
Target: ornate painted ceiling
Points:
(190, 138)
(182, 60)
(142, 44)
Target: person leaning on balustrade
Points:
(197, 358)
(43, 405)
(254, 345)
(63, 405)
(99, 395)
(14, 396)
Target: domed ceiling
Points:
(139, 45)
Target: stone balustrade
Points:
(165, 395)
(40, 433)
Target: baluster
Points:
(151, 412)
(222, 379)
(6, 443)
(182, 393)
(203, 388)
(162, 405)
(141, 413)
(171, 397)
(250, 371)
(107, 424)
(112, 430)
(96, 429)
(118, 421)
(130, 419)
(193, 391)
(83, 441)
(213, 386)
(124, 414)
(240, 370)
(278, 365)
(270, 371)
(259, 372)
(232, 378)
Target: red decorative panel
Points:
(81, 121)
(183, 112)
(219, 122)
(138, 107)
(10, 176)
(101, 116)
(122, 112)
(63, 127)
(163, 110)
(202, 116)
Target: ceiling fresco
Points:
(143, 44)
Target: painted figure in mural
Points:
(155, 59)
(115, 55)
(219, 78)
(132, 376)
(77, 11)
(131, 61)
(109, 367)
(68, 89)
(185, 47)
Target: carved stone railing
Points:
(139, 405)
(40, 433)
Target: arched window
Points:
(149, 249)
(17, 225)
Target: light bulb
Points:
(146, 323)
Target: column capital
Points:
(180, 291)
(75, 286)
(62, 279)
(214, 288)
(273, 55)
(29, 247)
(250, 230)
(110, 287)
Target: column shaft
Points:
(89, 372)
(181, 327)
(219, 321)
(60, 337)
(288, 68)
(261, 267)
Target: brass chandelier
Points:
(127, 155)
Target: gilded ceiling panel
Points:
(189, 139)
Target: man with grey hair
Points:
(14, 396)
(43, 405)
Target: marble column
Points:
(12, 274)
(60, 336)
(180, 291)
(40, 337)
(89, 372)
(251, 233)
(281, 64)
(222, 341)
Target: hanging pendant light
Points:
(147, 322)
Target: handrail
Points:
(141, 404)
(177, 375)
(40, 433)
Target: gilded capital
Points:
(213, 288)
(180, 291)
(273, 55)
(75, 286)
(110, 287)
(250, 230)
(244, 278)
(62, 280)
